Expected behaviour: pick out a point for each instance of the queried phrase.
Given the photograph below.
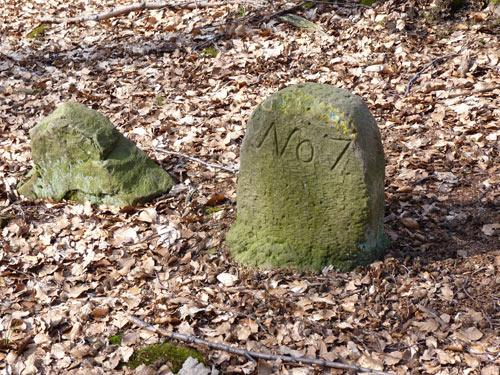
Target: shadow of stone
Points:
(448, 229)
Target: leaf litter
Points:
(70, 275)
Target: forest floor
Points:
(187, 80)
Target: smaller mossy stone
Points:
(165, 352)
(310, 189)
(79, 155)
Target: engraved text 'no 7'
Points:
(304, 150)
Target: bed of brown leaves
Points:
(71, 274)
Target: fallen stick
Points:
(472, 92)
(257, 17)
(119, 11)
(425, 67)
(284, 11)
(433, 314)
(251, 354)
(202, 162)
(7, 57)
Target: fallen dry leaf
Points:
(429, 325)
(227, 279)
(410, 223)
(469, 334)
(369, 362)
(490, 370)
(491, 229)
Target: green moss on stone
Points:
(310, 186)
(166, 352)
(80, 156)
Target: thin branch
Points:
(119, 11)
(425, 67)
(251, 18)
(7, 57)
(252, 354)
(284, 11)
(202, 162)
(433, 314)
(472, 92)
(345, 4)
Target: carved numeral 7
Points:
(345, 146)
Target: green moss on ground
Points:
(213, 210)
(166, 352)
(210, 52)
(115, 339)
(38, 31)
(160, 100)
(242, 11)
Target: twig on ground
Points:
(210, 40)
(252, 354)
(431, 313)
(7, 57)
(282, 12)
(202, 162)
(119, 11)
(247, 20)
(472, 92)
(341, 4)
(425, 67)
